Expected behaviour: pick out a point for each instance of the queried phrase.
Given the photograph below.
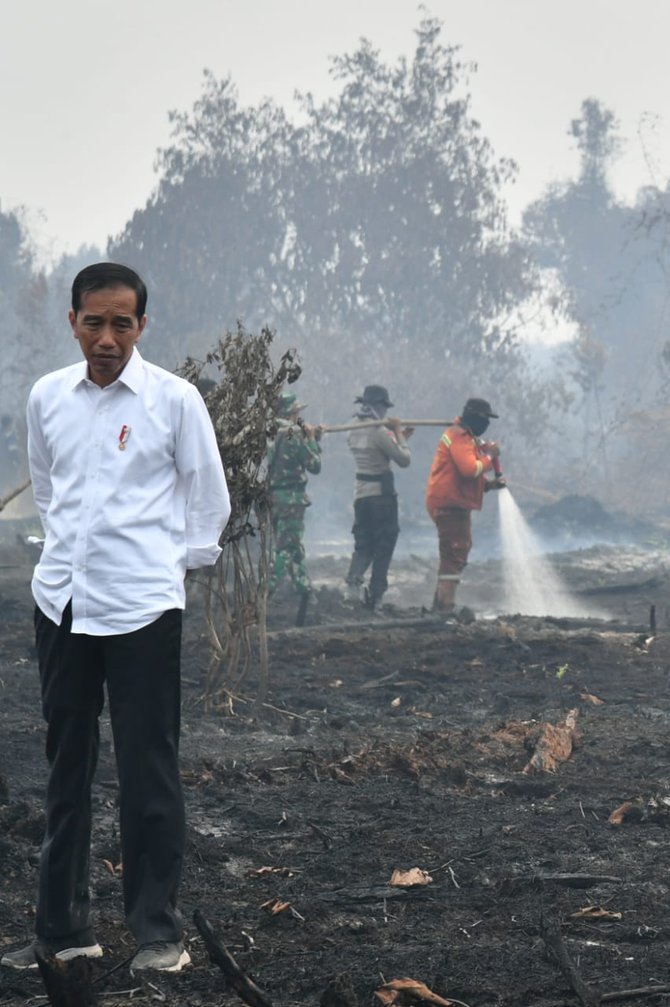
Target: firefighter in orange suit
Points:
(456, 486)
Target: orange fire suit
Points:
(455, 488)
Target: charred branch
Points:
(245, 987)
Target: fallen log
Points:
(550, 933)
(245, 987)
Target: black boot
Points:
(302, 609)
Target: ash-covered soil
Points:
(392, 741)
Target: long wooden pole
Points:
(336, 428)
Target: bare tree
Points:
(243, 404)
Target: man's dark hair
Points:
(102, 275)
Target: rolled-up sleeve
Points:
(199, 465)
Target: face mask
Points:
(477, 424)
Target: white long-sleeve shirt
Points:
(131, 491)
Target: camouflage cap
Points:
(288, 403)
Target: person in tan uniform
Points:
(456, 486)
(375, 527)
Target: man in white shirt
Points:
(131, 491)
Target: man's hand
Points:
(313, 432)
(407, 432)
(394, 424)
(495, 484)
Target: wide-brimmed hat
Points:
(375, 395)
(288, 403)
(479, 407)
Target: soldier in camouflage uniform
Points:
(294, 453)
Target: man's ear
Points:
(72, 318)
(143, 322)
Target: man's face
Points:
(107, 328)
(477, 423)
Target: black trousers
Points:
(142, 672)
(375, 535)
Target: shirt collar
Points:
(132, 375)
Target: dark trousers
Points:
(375, 535)
(142, 671)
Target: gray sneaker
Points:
(353, 593)
(25, 958)
(160, 956)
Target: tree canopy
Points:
(368, 230)
(612, 261)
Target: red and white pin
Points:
(123, 437)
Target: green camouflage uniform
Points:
(290, 457)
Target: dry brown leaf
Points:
(554, 745)
(116, 870)
(337, 683)
(629, 811)
(396, 702)
(590, 698)
(595, 913)
(408, 991)
(284, 872)
(275, 906)
(414, 876)
(426, 714)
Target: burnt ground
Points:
(391, 742)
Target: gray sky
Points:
(85, 86)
